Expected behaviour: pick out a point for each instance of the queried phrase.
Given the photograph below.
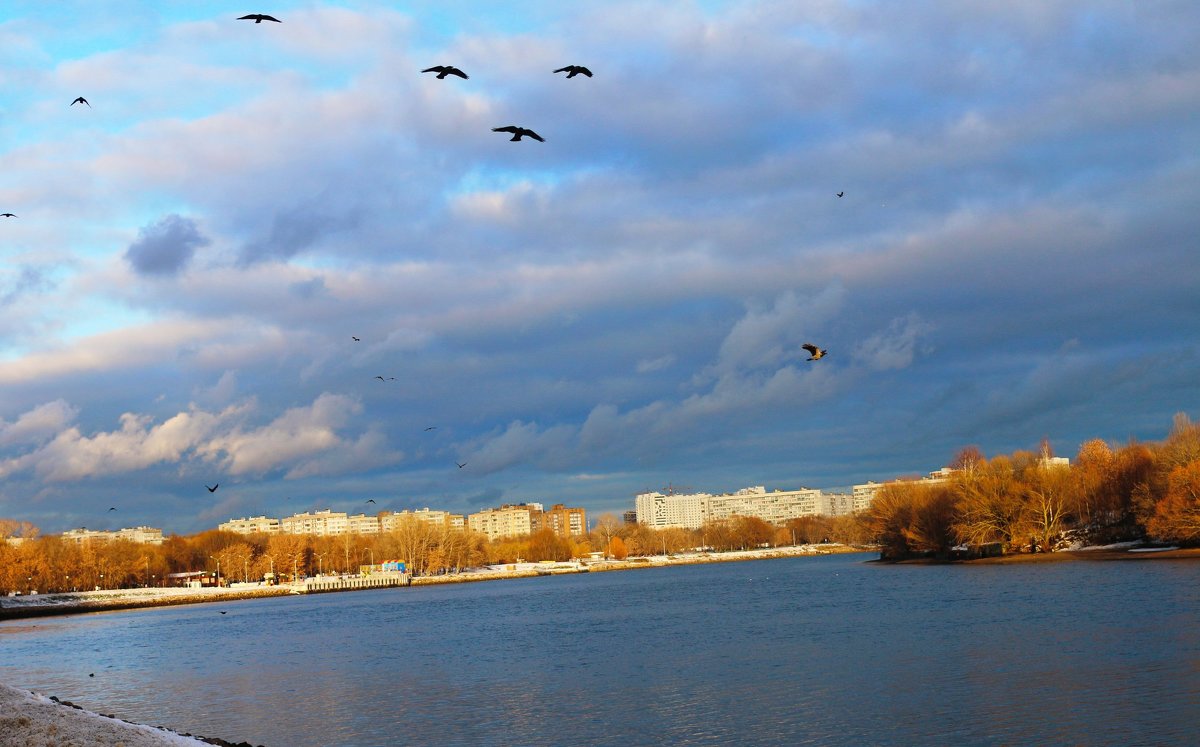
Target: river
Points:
(828, 650)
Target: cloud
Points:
(165, 247)
(39, 424)
(300, 441)
(649, 365)
(894, 347)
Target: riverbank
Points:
(1125, 551)
(41, 605)
(28, 718)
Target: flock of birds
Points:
(517, 132)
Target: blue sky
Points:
(616, 309)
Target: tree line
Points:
(1025, 502)
(51, 564)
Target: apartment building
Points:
(506, 521)
(567, 522)
(251, 525)
(390, 521)
(321, 523)
(140, 535)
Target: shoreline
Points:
(1062, 556)
(77, 603)
(28, 717)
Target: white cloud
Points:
(894, 347)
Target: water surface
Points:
(826, 650)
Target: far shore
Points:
(74, 603)
(1065, 556)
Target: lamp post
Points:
(214, 557)
(321, 564)
(245, 569)
(68, 584)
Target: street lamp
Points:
(214, 557)
(321, 564)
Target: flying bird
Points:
(431, 428)
(7, 215)
(815, 352)
(519, 132)
(444, 70)
(352, 337)
(112, 508)
(370, 500)
(460, 466)
(213, 489)
(390, 378)
(81, 100)
(259, 18)
(839, 194)
(221, 612)
(573, 70)
(92, 674)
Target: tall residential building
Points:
(251, 525)
(567, 522)
(661, 511)
(506, 521)
(140, 535)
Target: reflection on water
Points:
(828, 650)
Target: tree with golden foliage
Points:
(617, 549)
(1177, 517)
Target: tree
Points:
(616, 548)
(989, 501)
(1049, 490)
(1177, 517)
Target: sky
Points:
(615, 310)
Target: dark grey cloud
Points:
(165, 247)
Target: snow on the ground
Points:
(28, 719)
(1113, 546)
(1153, 549)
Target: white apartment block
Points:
(661, 511)
(506, 521)
(776, 507)
(251, 525)
(390, 521)
(321, 523)
(362, 524)
(140, 535)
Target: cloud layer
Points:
(1013, 256)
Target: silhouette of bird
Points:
(112, 508)
(370, 500)
(431, 428)
(221, 612)
(519, 132)
(573, 70)
(81, 100)
(352, 337)
(390, 378)
(213, 489)
(815, 352)
(840, 194)
(91, 674)
(460, 466)
(444, 70)
(7, 215)
(259, 18)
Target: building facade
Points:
(506, 521)
(566, 522)
(140, 535)
(251, 525)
